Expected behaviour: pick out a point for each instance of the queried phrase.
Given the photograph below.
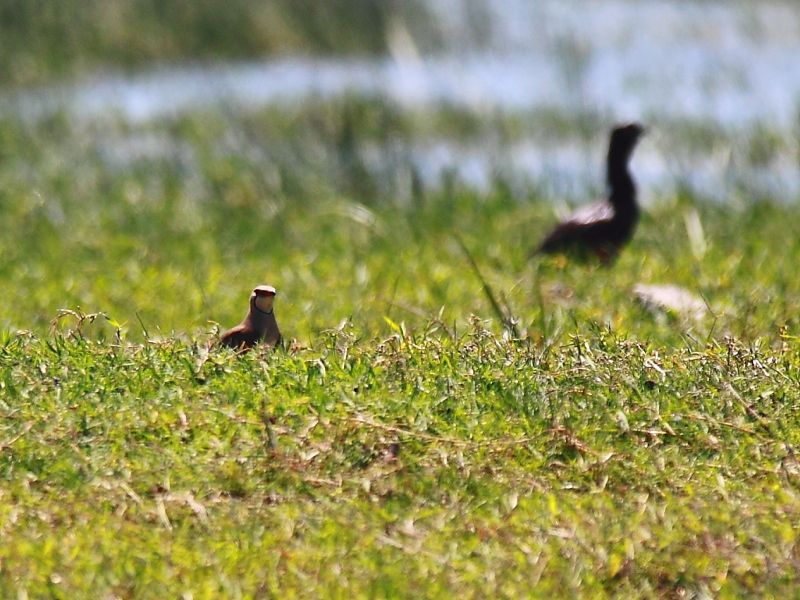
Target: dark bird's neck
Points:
(621, 188)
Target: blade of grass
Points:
(505, 319)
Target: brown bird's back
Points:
(240, 336)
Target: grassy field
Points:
(40, 40)
(404, 445)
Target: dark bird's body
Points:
(602, 229)
(259, 326)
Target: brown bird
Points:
(603, 228)
(259, 325)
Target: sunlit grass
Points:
(404, 445)
(425, 462)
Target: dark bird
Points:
(603, 228)
(259, 325)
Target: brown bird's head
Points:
(624, 138)
(262, 298)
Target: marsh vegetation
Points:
(405, 444)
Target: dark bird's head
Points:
(262, 298)
(623, 140)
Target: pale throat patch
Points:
(264, 303)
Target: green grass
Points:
(404, 446)
(417, 464)
(41, 40)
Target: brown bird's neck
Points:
(260, 321)
(621, 188)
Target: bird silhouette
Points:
(603, 228)
(259, 325)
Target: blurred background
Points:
(191, 120)
(497, 80)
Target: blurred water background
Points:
(487, 90)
